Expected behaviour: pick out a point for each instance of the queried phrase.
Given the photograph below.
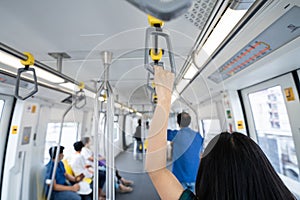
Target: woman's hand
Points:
(79, 178)
(164, 81)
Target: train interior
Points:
(236, 65)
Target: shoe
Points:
(127, 182)
(125, 189)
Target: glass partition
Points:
(273, 130)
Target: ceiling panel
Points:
(83, 29)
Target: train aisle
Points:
(132, 169)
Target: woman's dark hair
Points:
(233, 167)
(85, 140)
(183, 119)
(78, 146)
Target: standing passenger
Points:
(138, 136)
(187, 145)
(233, 166)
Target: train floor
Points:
(130, 166)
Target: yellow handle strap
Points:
(154, 21)
(29, 61)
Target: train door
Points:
(272, 110)
(6, 106)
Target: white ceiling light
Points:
(191, 72)
(101, 98)
(118, 105)
(40, 73)
(89, 93)
(70, 86)
(10, 60)
(14, 62)
(139, 114)
(225, 25)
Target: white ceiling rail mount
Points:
(59, 56)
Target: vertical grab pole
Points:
(57, 151)
(78, 97)
(110, 140)
(110, 171)
(96, 143)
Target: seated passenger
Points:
(61, 188)
(79, 166)
(122, 184)
(233, 166)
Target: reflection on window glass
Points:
(1, 107)
(273, 130)
(103, 126)
(69, 137)
(116, 131)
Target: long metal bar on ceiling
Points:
(21, 56)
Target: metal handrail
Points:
(76, 100)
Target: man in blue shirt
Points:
(187, 145)
(61, 188)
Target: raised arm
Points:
(163, 180)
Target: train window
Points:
(1, 107)
(273, 130)
(69, 137)
(115, 129)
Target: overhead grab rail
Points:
(29, 61)
(42, 66)
(79, 97)
(164, 10)
(155, 31)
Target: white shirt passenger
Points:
(87, 153)
(77, 164)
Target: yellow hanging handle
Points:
(81, 85)
(104, 96)
(154, 21)
(154, 56)
(29, 61)
(154, 98)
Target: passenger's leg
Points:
(123, 180)
(118, 175)
(124, 189)
(86, 197)
(63, 195)
(102, 178)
